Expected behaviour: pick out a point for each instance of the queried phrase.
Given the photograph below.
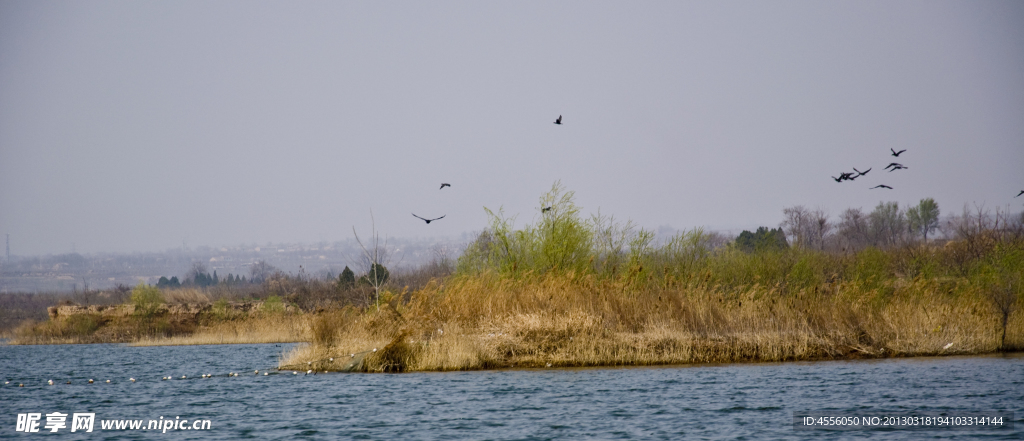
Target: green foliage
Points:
(888, 224)
(876, 254)
(204, 279)
(763, 239)
(924, 217)
(871, 267)
(273, 305)
(164, 282)
(561, 242)
(221, 309)
(684, 256)
(346, 279)
(376, 276)
(146, 299)
(81, 325)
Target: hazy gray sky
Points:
(131, 126)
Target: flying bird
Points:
(428, 221)
(880, 186)
(861, 173)
(895, 153)
(443, 185)
(895, 166)
(559, 120)
(898, 167)
(1018, 194)
(547, 209)
(839, 179)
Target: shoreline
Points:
(325, 368)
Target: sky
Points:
(142, 126)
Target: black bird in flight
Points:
(844, 177)
(547, 209)
(880, 186)
(895, 153)
(443, 185)
(896, 166)
(559, 120)
(861, 173)
(428, 221)
(1018, 194)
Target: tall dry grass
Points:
(488, 321)
(271, 328)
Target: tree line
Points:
(886, 226)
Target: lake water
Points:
(742, 401)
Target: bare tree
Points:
(85, 290)
(807, 228)
(854, 231)
(375, 258)
(796, 222)
(821, 227)
(198, 270)
(443, 262)
(260, 271)
(610, 240)
(1003, 293)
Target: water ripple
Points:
(752, 401)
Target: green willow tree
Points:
(924, 217)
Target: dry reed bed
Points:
(277, 328)
(487, 322)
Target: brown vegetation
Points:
(565, 321)
(572, 292)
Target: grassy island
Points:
(568, 291)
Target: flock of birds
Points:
(558, 121)
(893, 166)
(845, 176)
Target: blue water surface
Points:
(739, 401)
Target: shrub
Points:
(146, 299)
